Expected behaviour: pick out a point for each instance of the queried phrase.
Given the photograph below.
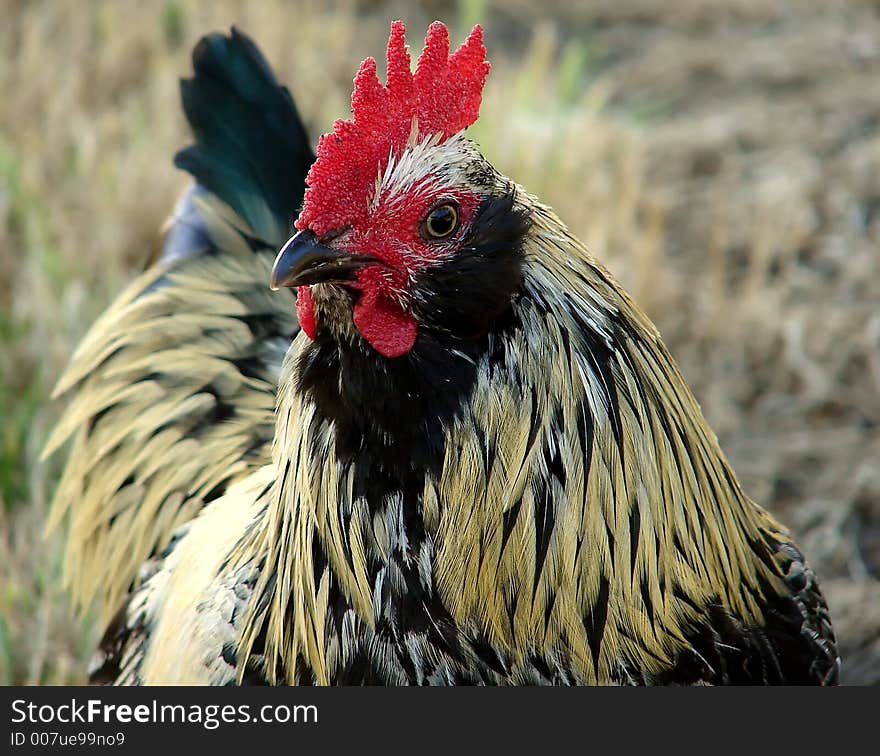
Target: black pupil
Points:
(441, 221)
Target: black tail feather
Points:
(251, 149)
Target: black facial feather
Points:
(467, 292)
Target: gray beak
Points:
(303, 260)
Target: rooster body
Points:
(485, 466)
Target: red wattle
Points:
(305, 310)
(388, 329)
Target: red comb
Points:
(443, 96)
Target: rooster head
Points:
(405, 227)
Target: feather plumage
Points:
(605, 539)
(170, 396)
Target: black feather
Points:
(251, 149)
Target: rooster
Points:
(469, 458)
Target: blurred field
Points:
(722, 157)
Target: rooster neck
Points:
(390, 415)
(394, 413)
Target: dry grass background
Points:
(722, 157)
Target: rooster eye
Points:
(441, 222)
